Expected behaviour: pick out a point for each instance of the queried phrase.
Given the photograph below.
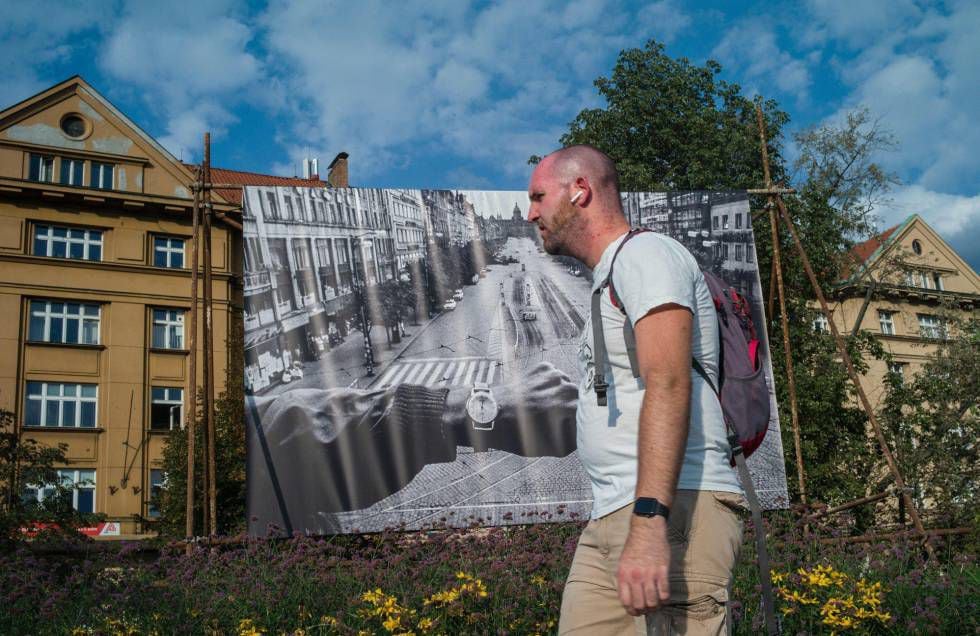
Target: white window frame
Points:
(172, 322)
(738, 220)
(78, 479)
(46, 234)
(898, 368)
(168, 250)
(821, 324)
(931, 326)
(99, 170)
(73, 178)
(739, 252)
(45, 167)
(151, 511)
(75, 396)
(43, 308)
(886, 322)
(176, 406)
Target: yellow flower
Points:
(777, 577)
(426, 624)
(246, 627)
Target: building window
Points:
(749, 254)
(898, 369)
(77, 484)
(63, 242)
(820, 324)
(61, 405)
(931, 326)
(168, 329)
(64, 322)
(101, 175)
(724, 251)
(41, 168)
(917, 247)
(724, 221)
(73, 126)
(738, 221)
(166, 407)
(72, 171)
(158, 483)
(168, 252)
(886, 322)
(937, 281)
(738, 251)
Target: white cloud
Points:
(923, 80)
(189, 63)
(749, 50)
(664, 20)
(856, 22)
(388, 84)
(956, 218)
(34, 37)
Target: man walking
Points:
(658, 552)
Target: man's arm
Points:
(663, 348)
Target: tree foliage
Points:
(933, 423)
(26, 462)
(672, 125)
(229, 425)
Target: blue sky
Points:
(457, 95)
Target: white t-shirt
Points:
(651, 270)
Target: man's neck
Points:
(601, 240)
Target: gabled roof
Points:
(76, 85)
(241, 177)
(863, 255)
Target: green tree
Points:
(24, 463)
(932, 421)
(229, 425)
(672, 125)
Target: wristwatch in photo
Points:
(650, 507)
(482, 407)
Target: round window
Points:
(917, 247)
(73, 126)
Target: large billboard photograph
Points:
(412, 356)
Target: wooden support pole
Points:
(889, 536)
(847, 506)
(190, 414)
(852, 373)
(777, 269)
(211, 507)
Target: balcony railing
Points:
(284, 307)
(263, 318)
(256, 280)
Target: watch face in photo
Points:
(482, 408)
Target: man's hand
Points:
(644, 565)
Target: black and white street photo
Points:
(412, 355)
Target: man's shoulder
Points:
(647, 251)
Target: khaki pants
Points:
(705, 533)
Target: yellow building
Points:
(94, 291)
(917, 282)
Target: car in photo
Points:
(529, 314)
(458, 295)
(449, 305)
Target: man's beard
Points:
(556, 239)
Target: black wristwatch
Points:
(650, 507)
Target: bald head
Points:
(573, 162)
